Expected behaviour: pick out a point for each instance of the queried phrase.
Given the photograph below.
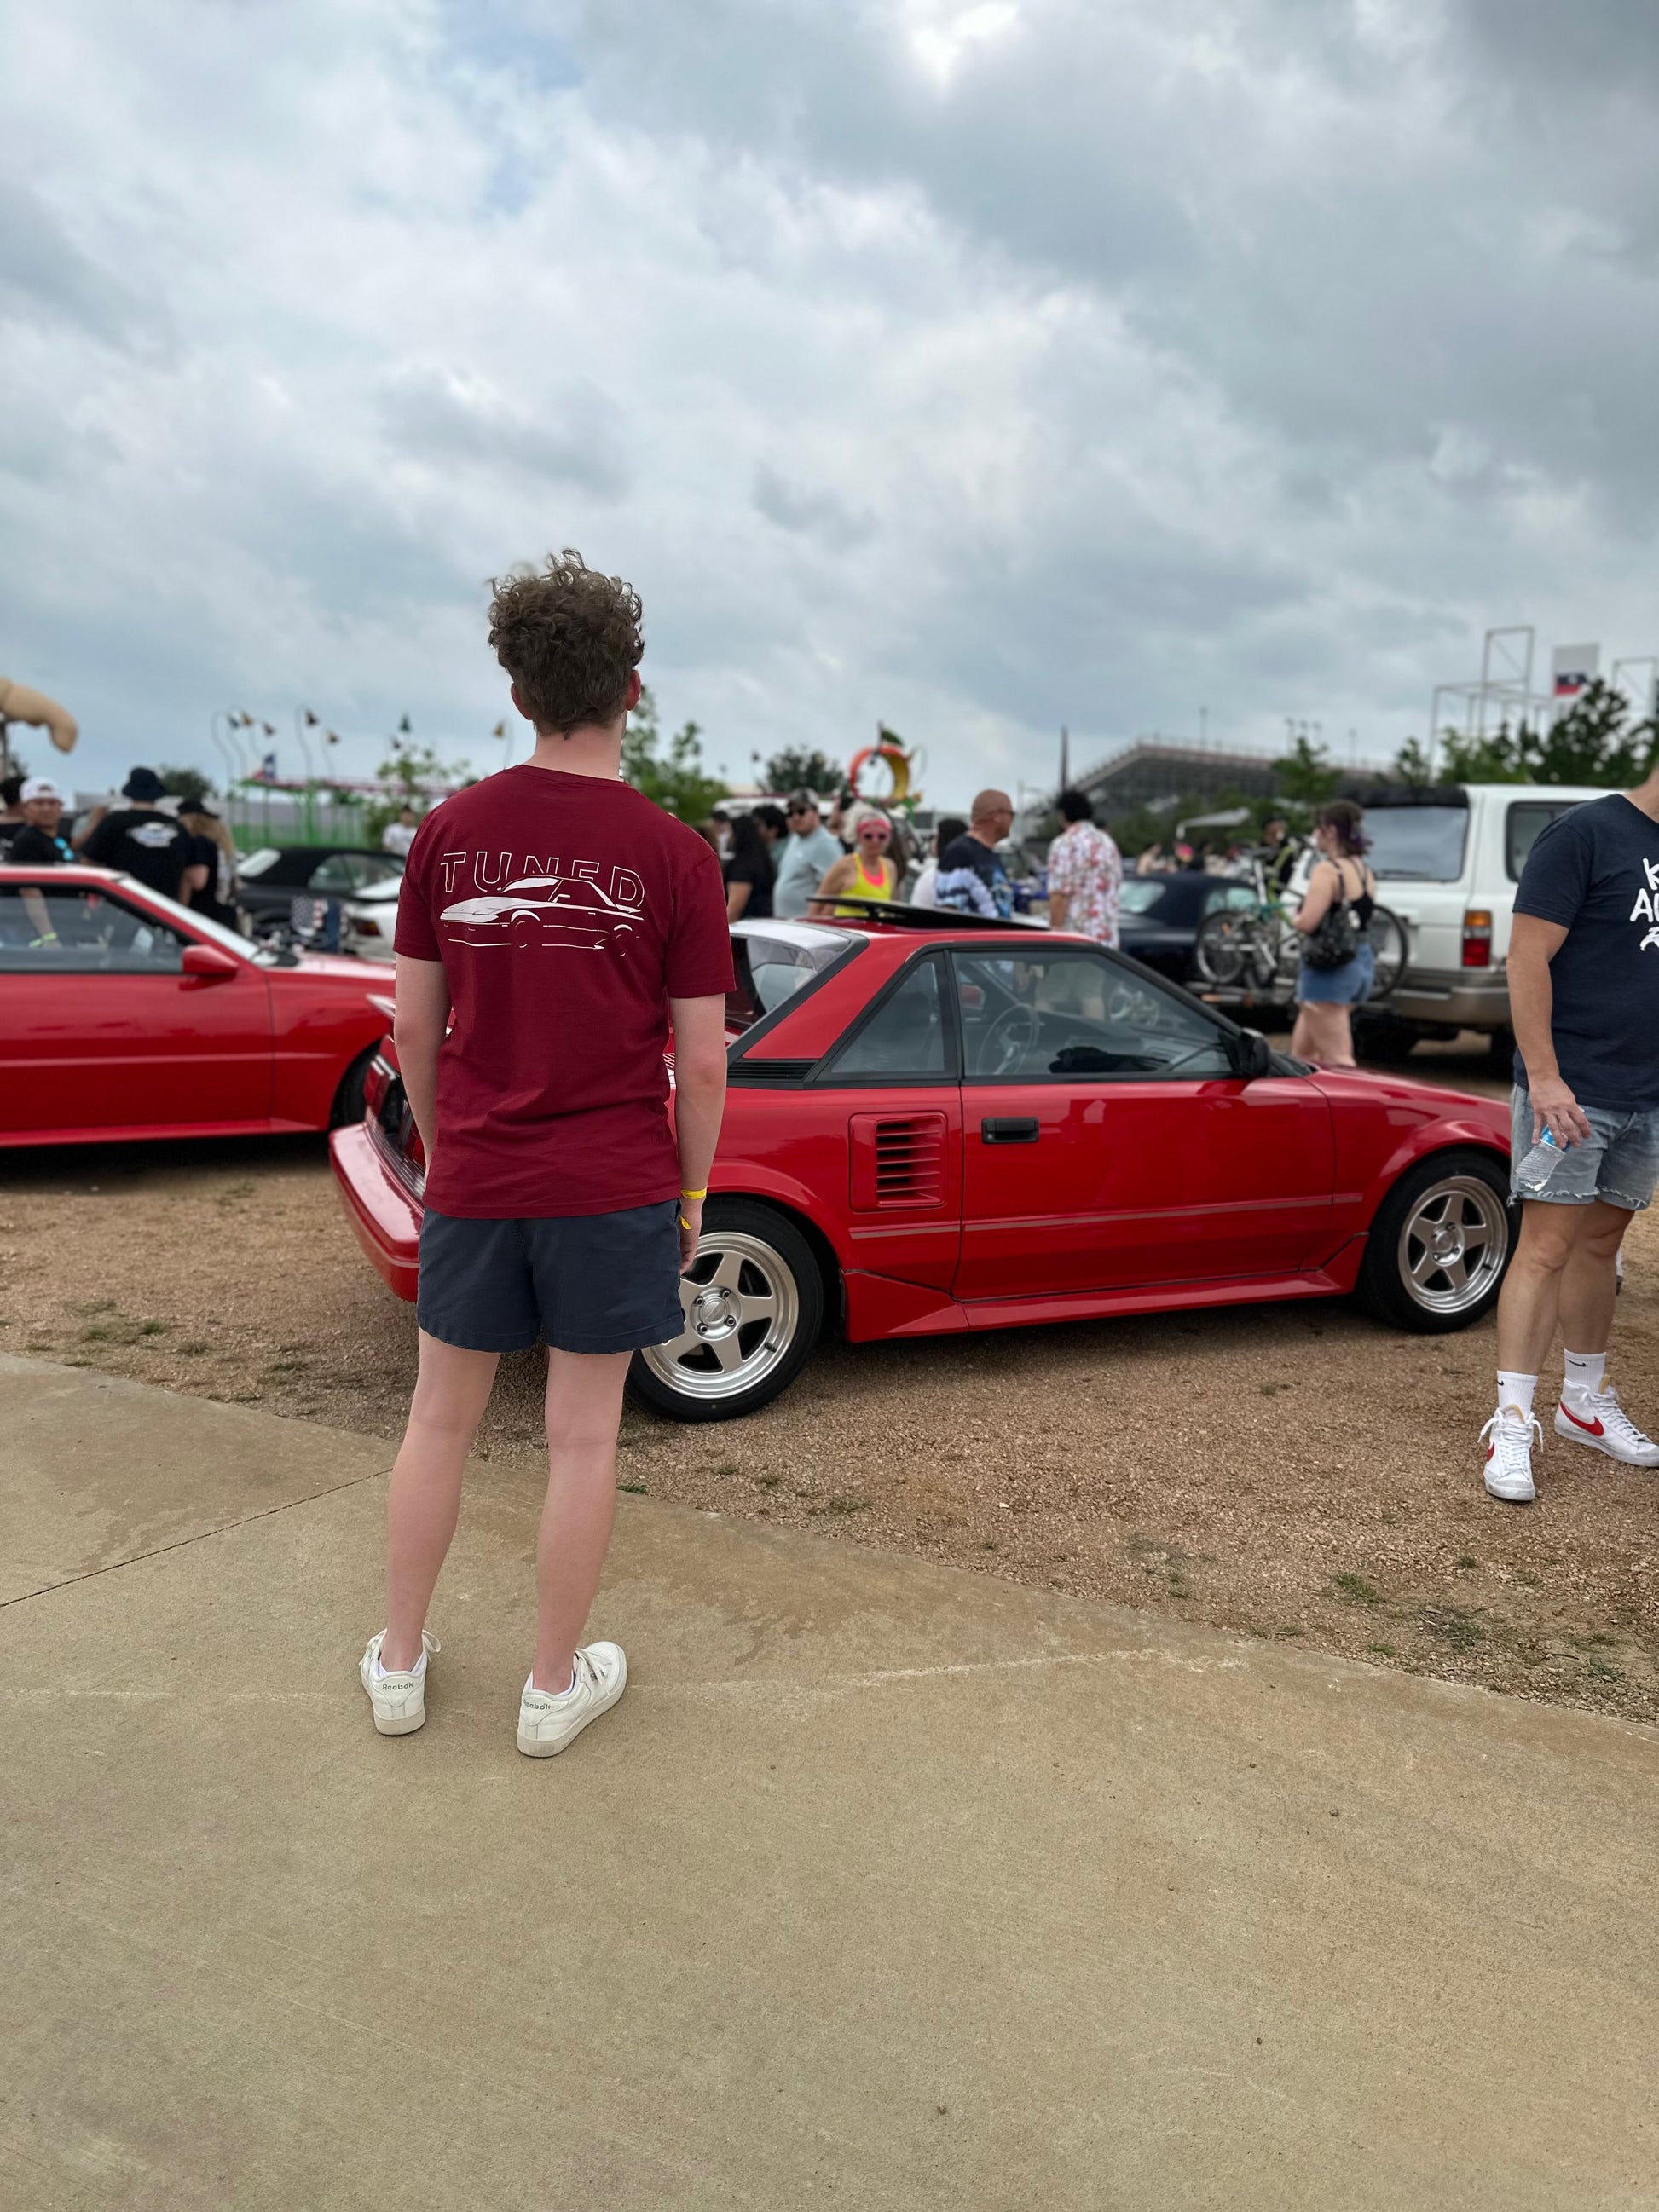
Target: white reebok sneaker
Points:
(547, 1724)
(1597, 1418)
(1508, 1458)
(400, 1700)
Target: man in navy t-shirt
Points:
(970, 874)
(1583, 976)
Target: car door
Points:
(1108, 1141)
(100, 1028)
(890, 1090)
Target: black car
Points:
(1158, 916)
(274, 877)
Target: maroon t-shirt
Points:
(567, 910)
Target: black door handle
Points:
(1009, 1129)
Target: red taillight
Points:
(1477, 938)
(366, 927)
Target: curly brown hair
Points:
(568, 637)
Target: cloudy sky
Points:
(978, 364)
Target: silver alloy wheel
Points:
(741, 1310)
(1452, 1244)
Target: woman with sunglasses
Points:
(864, 874)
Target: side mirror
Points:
(1253, 1055)
(206, 963)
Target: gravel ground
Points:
(1290, 1471)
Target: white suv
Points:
(1447, 862)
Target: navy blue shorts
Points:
(583, 1282)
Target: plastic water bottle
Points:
(1540, 1164)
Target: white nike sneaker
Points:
(400, 1700)
(1508, 1458)
(547, 1724)
(1597, 1418)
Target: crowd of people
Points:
(180, 846)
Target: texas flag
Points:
(1575, 668)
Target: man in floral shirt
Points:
(1085, 873)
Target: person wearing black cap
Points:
(140, 839)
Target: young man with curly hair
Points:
(554, 928)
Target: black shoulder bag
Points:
(1335, 940)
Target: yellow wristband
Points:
(696, 1196)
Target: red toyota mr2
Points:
(938, 1128)
(123, 1015)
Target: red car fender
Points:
(1373, 1152)
(758, 1180)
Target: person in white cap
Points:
(38, 844)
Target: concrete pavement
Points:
(885, 1886)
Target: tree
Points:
(670, 772)
(411, 769)
(1593, 742)
(1494, 758)
(1305, 774)
(795, 769)
(187, 783)
(1411, 763)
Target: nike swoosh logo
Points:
(1590, 1428)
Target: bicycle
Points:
(1259, 949)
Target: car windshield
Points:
(1417, 844)
(770, 969)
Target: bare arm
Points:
(1060, 905)
(1533, 944)
(837, 877)
(736, 897)
(1322, 890)
(417, 1030)
(194, 880)
(699, 1103)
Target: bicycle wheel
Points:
(1388, 938)
(1223, 947)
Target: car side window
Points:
(332, 877)
(1027, 1016)
(52, 930)
(1526, 818)
(1229, 894)
(906, 1037)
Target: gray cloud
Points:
(978, 364)
(576, 436)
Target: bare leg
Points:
(1589, 1281)
(450, 1393)
(583, 1410)
(1528, 1305)
(1321, 1036)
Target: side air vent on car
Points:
(896, 1160)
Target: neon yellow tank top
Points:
(866, 886)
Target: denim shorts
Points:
(1620, 1164)
(584, 1282)
(1350, 985)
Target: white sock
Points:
(568, 1690)
(1515, 1393)
(1584, 1370)
(419, 1667)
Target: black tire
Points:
(1390, 948)
(1224, 948)
(726, 1366)
(1406, 1279)
(349, 1104)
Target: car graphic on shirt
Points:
(544, 910)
